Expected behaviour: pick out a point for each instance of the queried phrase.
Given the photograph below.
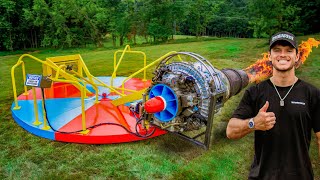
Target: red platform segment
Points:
(58, 90)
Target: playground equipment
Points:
(67, 103)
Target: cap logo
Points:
(287, 36)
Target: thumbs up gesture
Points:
(264, 107)
(264, 120)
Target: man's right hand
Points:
(264, 120)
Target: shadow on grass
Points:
(182, 148)
(188, 150)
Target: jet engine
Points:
(186, 92)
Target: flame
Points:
(262, 68)
(305, 48)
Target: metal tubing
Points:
(35, 107)
(84, 127)
(114, 74)
(24, 79)
(123, 52)
(45, 123)
(13, 80)
(146, 67)
(207, 139)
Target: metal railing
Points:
(116, 65)
(74, 81)
(146, 67)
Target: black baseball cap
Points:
(284, 36)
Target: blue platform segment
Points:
(60, 111)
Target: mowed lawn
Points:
(25, 156)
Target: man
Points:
(282, 112)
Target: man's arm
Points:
(237, 128)
(318, 140)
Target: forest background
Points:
(89, 23)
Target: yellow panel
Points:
(69, 60)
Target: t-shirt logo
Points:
(297, 102)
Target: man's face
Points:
(283, 57)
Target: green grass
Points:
(25, 156)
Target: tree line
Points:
(77, 23)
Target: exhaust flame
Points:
(262, 68)
(305, 48)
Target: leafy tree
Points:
(6, 24)
(96, 20)
(307, 18)
(161, 17)
(198, 16)
(272, 16)
(69, 22)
